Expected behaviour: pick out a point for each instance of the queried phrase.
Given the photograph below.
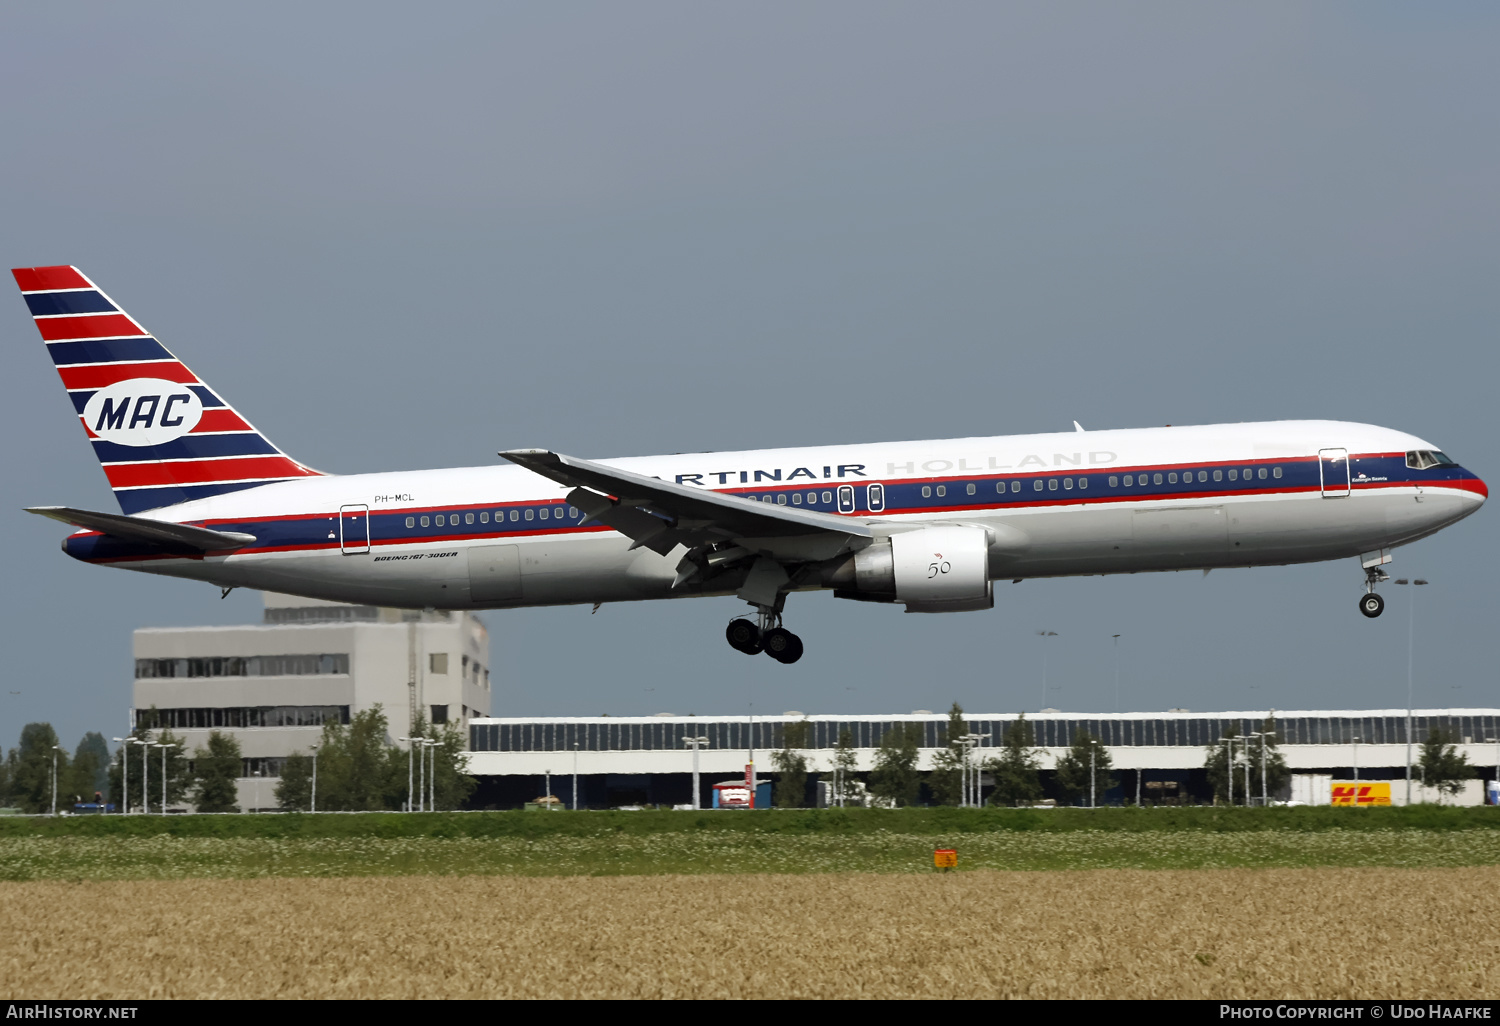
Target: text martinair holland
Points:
(963, 465)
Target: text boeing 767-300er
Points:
(928, 524)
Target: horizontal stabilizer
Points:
(140, 529)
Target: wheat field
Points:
(1233, 933)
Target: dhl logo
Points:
(1361, 794)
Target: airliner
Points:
(928, 525)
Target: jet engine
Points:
(939, 569)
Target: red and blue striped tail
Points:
(163, 436)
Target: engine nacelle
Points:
(939, 569)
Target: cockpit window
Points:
(1426, 459)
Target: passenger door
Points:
(1333, 468)
(354, 530)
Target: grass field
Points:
(838, 841)
(1235, 933)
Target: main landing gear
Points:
(1371, 604)
(750, 637)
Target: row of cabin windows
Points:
(443, 520)
(812, 498)
(1203, 475)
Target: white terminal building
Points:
(1158, 756)
(273, 685)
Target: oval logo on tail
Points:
(142, 411)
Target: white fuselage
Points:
(1054, 504)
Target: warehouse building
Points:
(622, 761)
(273, 685)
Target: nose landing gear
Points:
(1371, 604)
(751, 637)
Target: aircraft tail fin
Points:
(161, 434)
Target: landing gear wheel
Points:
(782, 645)
(743, 636)
(1372, 605)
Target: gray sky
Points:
(400, 236)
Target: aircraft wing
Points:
(143, 530)
(661, 514)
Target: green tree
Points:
(31, 770)
(216, 774)
(356, 768)
(790, 761)
(1216, 765)
(1277, 775)
(946, 778)
(1072, 776)
(88, 772)
(1017, 768)
(451, 784)
(895, 777)
(1442, 765)
(845, 762)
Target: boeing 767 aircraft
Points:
(927, 524)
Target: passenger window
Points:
(926, 491)
(1202, 475)
(484, 517)
(1067, 484)
(440, 520)
(1000, 487)
(468, 518)
(1262, 474)
(1052, 484)
(1249, 473)
(1129, 481)
(1275, 471)
(543, 513)
(1218, 475)
(942, 490)
(514, 516)
(875, 496)
(1083, 482)
(1234, 475)
(971, 489)
(1114, 481)
(1015, 486)
(1172, 478)
(1156, 479)
(796, 498)
(573, 513)
(827, 496)
(1036, 485)
(411, 521)
(781, 499)
(529, 514)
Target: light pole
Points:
(257, 790)
(55, 750)
(696, 743)
(1411, 633)
(1496, 742)
(145, 776)
(1229, 765)
(163, 775)
(1044, 635)
(421, 745)
(410, 793)
(124, 776)
(546, 783)
(1265, 795)
(1117, 671)
(432, 747)
(1355, 758)
(970, 786)
(1091, 776)
(575, 777)
(313, 804)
